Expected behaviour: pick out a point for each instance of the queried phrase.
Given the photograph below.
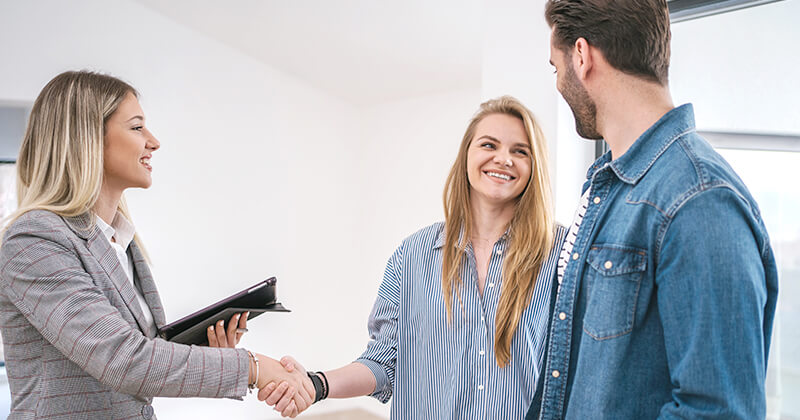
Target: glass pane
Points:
(770, 177)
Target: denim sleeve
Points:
(711, 301)
(381, 353)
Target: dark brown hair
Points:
(633, 35)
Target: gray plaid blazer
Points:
(76, 344)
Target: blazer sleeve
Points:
(41, 273)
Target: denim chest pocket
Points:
(614, 276)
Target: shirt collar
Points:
(638, 159)
(121, 230)
(440, 237)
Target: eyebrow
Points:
(136, 117)
(486, 136)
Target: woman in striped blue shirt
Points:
(459, 325)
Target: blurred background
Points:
(306, 139)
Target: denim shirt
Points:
(666, 306)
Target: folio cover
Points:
(191, 329)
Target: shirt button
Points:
(596, 200)
(483, 318)
(480, 387)
(575, 256)
(608, 265)
(556, 374)
(491, 284)
(499, 251)
(562, 316)
(481, 352)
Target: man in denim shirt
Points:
(668, 284)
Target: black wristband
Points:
(326, 387)
(319, 388)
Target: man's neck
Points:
(632, 107)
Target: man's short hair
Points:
(633, 35)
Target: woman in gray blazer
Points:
(79, 310)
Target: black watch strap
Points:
(319, 388)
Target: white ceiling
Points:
(363, 51)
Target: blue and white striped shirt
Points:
(437, 370)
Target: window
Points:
(771, 177)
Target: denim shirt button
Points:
(608, 265)
(596, 200)
(575, 256)
(556, 374)
(562, 316)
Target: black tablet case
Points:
(191, 329)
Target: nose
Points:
(502, 157)
(152, 142)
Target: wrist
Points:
(321, 387)
(253, 371)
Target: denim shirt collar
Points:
(637, 160)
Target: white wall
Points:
(258, 175)
(516, 54)
(255, 176)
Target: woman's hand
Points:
(290, 391)
(219, 336)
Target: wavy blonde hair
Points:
(60, 164)
(531, 228)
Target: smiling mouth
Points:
(499, 175)
(146, 162)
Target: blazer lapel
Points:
(145, 281)
(101, 250)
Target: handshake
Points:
(283, 384)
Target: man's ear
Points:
(582, 60)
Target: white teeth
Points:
(497, 175)
(146, 161)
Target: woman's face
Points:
(128, 147)
(499, 160)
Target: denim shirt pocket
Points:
(614, 277)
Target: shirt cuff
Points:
(383, 387)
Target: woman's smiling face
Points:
(127, 147)
(499, 160)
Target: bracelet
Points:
(317, 382)
(252, 386)
(320, 387)
(325, 383)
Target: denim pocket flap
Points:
(615, 260)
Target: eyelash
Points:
(492, 146)
(138, 128)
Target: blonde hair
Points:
(531, 228)
(60, 164)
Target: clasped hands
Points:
(282, 384)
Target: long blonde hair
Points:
(60, 164)
(531, 228)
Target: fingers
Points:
(279, 392)
(219, 329)
(212, 337)
(242, 326)
(285, 401)
(265, 392)
(305, 394)
(231, 330)
(290, 411)
(288, 363)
